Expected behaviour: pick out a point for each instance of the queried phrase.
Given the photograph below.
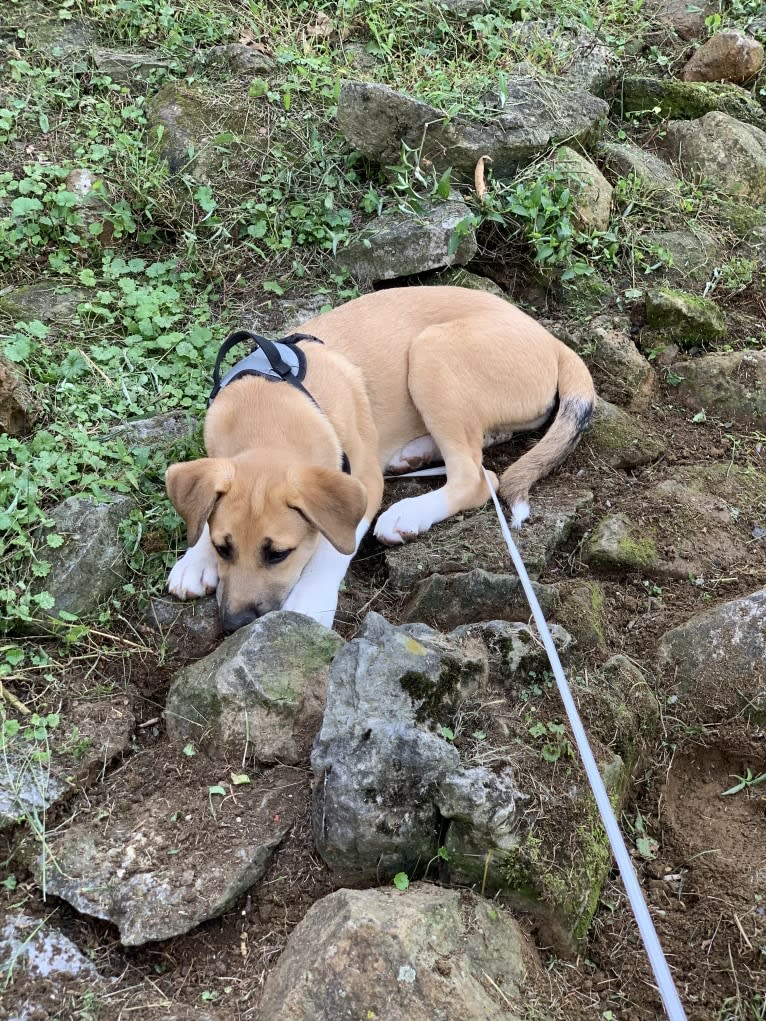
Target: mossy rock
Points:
(618, 544)
(688, 100)
(688, 318)
(582, 613)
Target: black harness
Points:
(278, 361)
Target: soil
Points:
(704, 877)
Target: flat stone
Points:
(239, 58)
(425, 954)
(674, 98)
(448, 600)
(127, 66)
(260, 695)
(49, 301)
(41, 951)
(618, 544)
(158, 869)
(398, 244)
(156, 432)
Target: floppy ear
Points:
(332, 501)
(195, 487)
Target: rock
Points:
(717, 660)
(581, 611)
(18, 409)
(580, 56)
(620, 440)
(729, 385)
(535, 115)
(686, 19)
(692, 255)
(425, 954)
(653, 176)
(476, 542)
(632, 378)
(90, 564)
(689, 319)
(159, 868)
(92, 199)
(730, 154)
(639, 93)
(622, 709)
(618, 544)
(592, 193)
(59, 41)
(728, 56)
(156, 432)
(445, 601)
(460, 277)
(260, 695)
(513, 649)
(398, 244)
(376, 761)
(189, 630)
(464, 8)
(130, 67)
(40, 773)
(239, 58)
(39, 950)
(47, 300)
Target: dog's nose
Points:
(232, 622)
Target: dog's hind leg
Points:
(414, 455)
(454, 420)
(196, 573)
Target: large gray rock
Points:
(400, 244)
(378, 759)
(717, 660)
(639, 93)
(90, 563)
(426, 954)
(160, 868)
(731, 385)
(730, 154)
(47, 300)
(581, 58)
(260, 695)
(534, 115)
(32, 946)
(687, 318)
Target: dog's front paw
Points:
(409, 518)
(194, 575)
(314, 602)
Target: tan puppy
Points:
(404, 376)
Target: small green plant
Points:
(746, 782)
(401, 881)
(556, 741)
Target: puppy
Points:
(402, 377)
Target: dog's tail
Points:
(576, 399)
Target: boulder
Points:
(531, 116)
(730, 154)
(653, 176)
(400, 244)
(728, 56)
(425, 954)
(631, 377)
(90, 562)
(260, 695)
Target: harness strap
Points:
(283, 371)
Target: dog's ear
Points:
(332, 501)
(195, 487)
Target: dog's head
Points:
(265, 520)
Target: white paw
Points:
(314, 601)
(195, 574)
(410, 518)
(519, 513)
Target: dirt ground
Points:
(705, 880)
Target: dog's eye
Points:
(273, 556)
(224, 550)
